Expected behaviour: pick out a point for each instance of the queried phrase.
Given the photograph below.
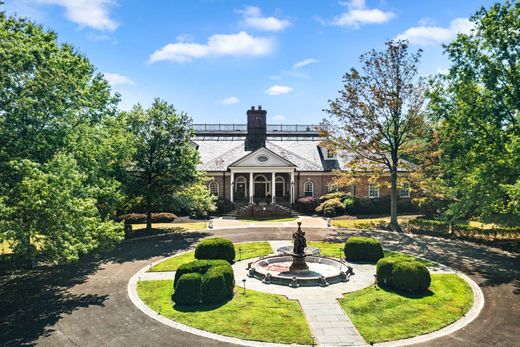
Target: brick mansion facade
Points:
(253, 162)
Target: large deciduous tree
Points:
(61, 149)
(477, 109)
(378, 116)
(165, 157)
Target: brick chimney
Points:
(256, 128)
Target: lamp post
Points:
(340, 250)
(240, 253)
(244, 281)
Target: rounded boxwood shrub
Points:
(359, 248)
(187, 289)
(229, 278)
(306, 205)
(410, 276)
(216, 248)
(213, 286)
(199, 266)
(384, 269)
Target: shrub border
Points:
(472, 314)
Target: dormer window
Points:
(330, 154)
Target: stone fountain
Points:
(301, 266)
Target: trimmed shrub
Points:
(187, 289)
(224, 206)
(199, 266)
(335, 195)
(213, 286)
(331, 208)
(216, 248)
(229, 278)
(384, 269)
(410, 276)
(359, 248)
(139, 218)
(306, 205)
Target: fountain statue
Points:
(299, 265)
(298, 255)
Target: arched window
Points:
(213, 188)
(308, 188)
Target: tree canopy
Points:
(476, 108)
(378, 116)
(165, 157)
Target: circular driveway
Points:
(87, 303)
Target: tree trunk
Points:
(148, 214)
(394, 224)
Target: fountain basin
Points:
(322, 271)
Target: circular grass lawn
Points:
(250, 316)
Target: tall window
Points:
(405, 190)
(373, 191)
(213, 188)
(308, 188)
(330, 154)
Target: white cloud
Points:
(358, 14)
(278, 118)
(278, 90)
(304, 62)
(425, 35)
(253, 19)
(116, 79)
(229, 101)
(241, 44)
(87, 13)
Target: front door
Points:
(279, 189)
(241, 191)
(259, 190)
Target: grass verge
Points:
(253, 316)
(382, 315)
(249, 250)
(365, 223)
(174, 226)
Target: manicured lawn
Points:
(364, 223)
(381, 315)
(331, 249)
(174, 226)
(249, 250)
(279, 220)
(253, 316)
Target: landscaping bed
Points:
(384, 315)
(252, 316)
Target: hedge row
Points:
(203, 281)
(216, 248)
(306, 205)
(359, 248)
(462, 229)
(403, 274)
(139, 218)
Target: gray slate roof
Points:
(305, 154)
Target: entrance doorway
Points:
(280, 187)
(261, 187)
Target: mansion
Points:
(254, 162)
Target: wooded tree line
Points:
(70, 161)
(458, 133)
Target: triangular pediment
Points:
(262, 157)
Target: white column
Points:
(273, 188)
(251, 187)
(232, 186)
(292, 186)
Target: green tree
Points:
(165, 158)
(476, 107)
(378, 116)
(195, 198)
(56, 111)
(50, 208)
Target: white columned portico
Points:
(273, 188)
(251, 187)
(292, 186)
(232, 186)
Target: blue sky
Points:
(214, 59)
